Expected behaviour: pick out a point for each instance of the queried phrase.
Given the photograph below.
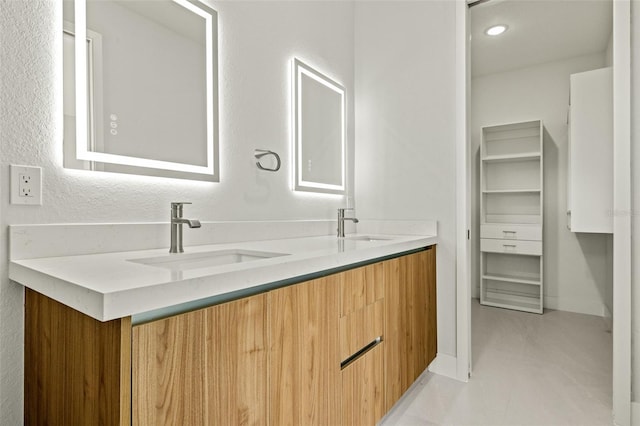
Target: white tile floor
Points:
(528, 369)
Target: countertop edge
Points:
(129, 302)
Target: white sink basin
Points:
(207, 259)
(368, 238)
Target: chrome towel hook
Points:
(259, 153)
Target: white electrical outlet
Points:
(26, 185)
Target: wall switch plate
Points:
(26, 185)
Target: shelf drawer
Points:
(511, 246)
(511, 232)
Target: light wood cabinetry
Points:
(203, 367)
(511, 213)
(590, 168)
(77, 369)
(363, 389)
(304, 362)
(336, 350)
(410, 321)
(362, 308)
(362, 344)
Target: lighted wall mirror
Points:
(319, 128)
(141, 87)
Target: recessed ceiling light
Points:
(496, 30)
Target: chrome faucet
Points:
(341, 220)
(176, 227)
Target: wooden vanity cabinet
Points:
(336, 350)
(304, 362)
(77, 369)
(410, 321)
(362, 344)
(206, 367)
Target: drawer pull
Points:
(511, 235)
(353, 358)
(509, 245)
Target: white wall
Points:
(257, 41)
(608, 53)
(405, 127)
(577, 272)
(635, 202)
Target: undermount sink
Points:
(368, 238)
(207, 259)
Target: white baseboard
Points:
(635, 413)
(445, 365)
(579, 306)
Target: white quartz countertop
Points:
(109, 285)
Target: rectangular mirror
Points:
(140, 87)
(319, 121)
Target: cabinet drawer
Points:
(511, 246)
(361, 327)
(511, 232)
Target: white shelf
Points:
(533, 307)
(510, 191)
(526, 156)
(514, 219)
(512, 279)
(511, 182)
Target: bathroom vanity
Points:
(336, 340)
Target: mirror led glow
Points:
(301, 70)
(82, 113)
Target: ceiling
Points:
(540, 31)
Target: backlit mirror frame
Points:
(300, 69)
(143, 166)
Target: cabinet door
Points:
(203, 367)
(410, 320)
(361, 325)
(432, 315)
(304, 358)
(363, 389)
(76, 367)
(591, 155)
(361, 308)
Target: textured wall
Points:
(257, 41)
(405, 127)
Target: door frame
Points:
(463, 194)
(622, 212)
(621, 205)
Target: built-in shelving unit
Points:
(511, 210)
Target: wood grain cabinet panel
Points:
(361, 323)
(304, 360)
(363, 389)
(432, 320)
(410, 321)
(207, 367)
(77, 369)
(362, 308)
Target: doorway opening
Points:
(522, 76)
